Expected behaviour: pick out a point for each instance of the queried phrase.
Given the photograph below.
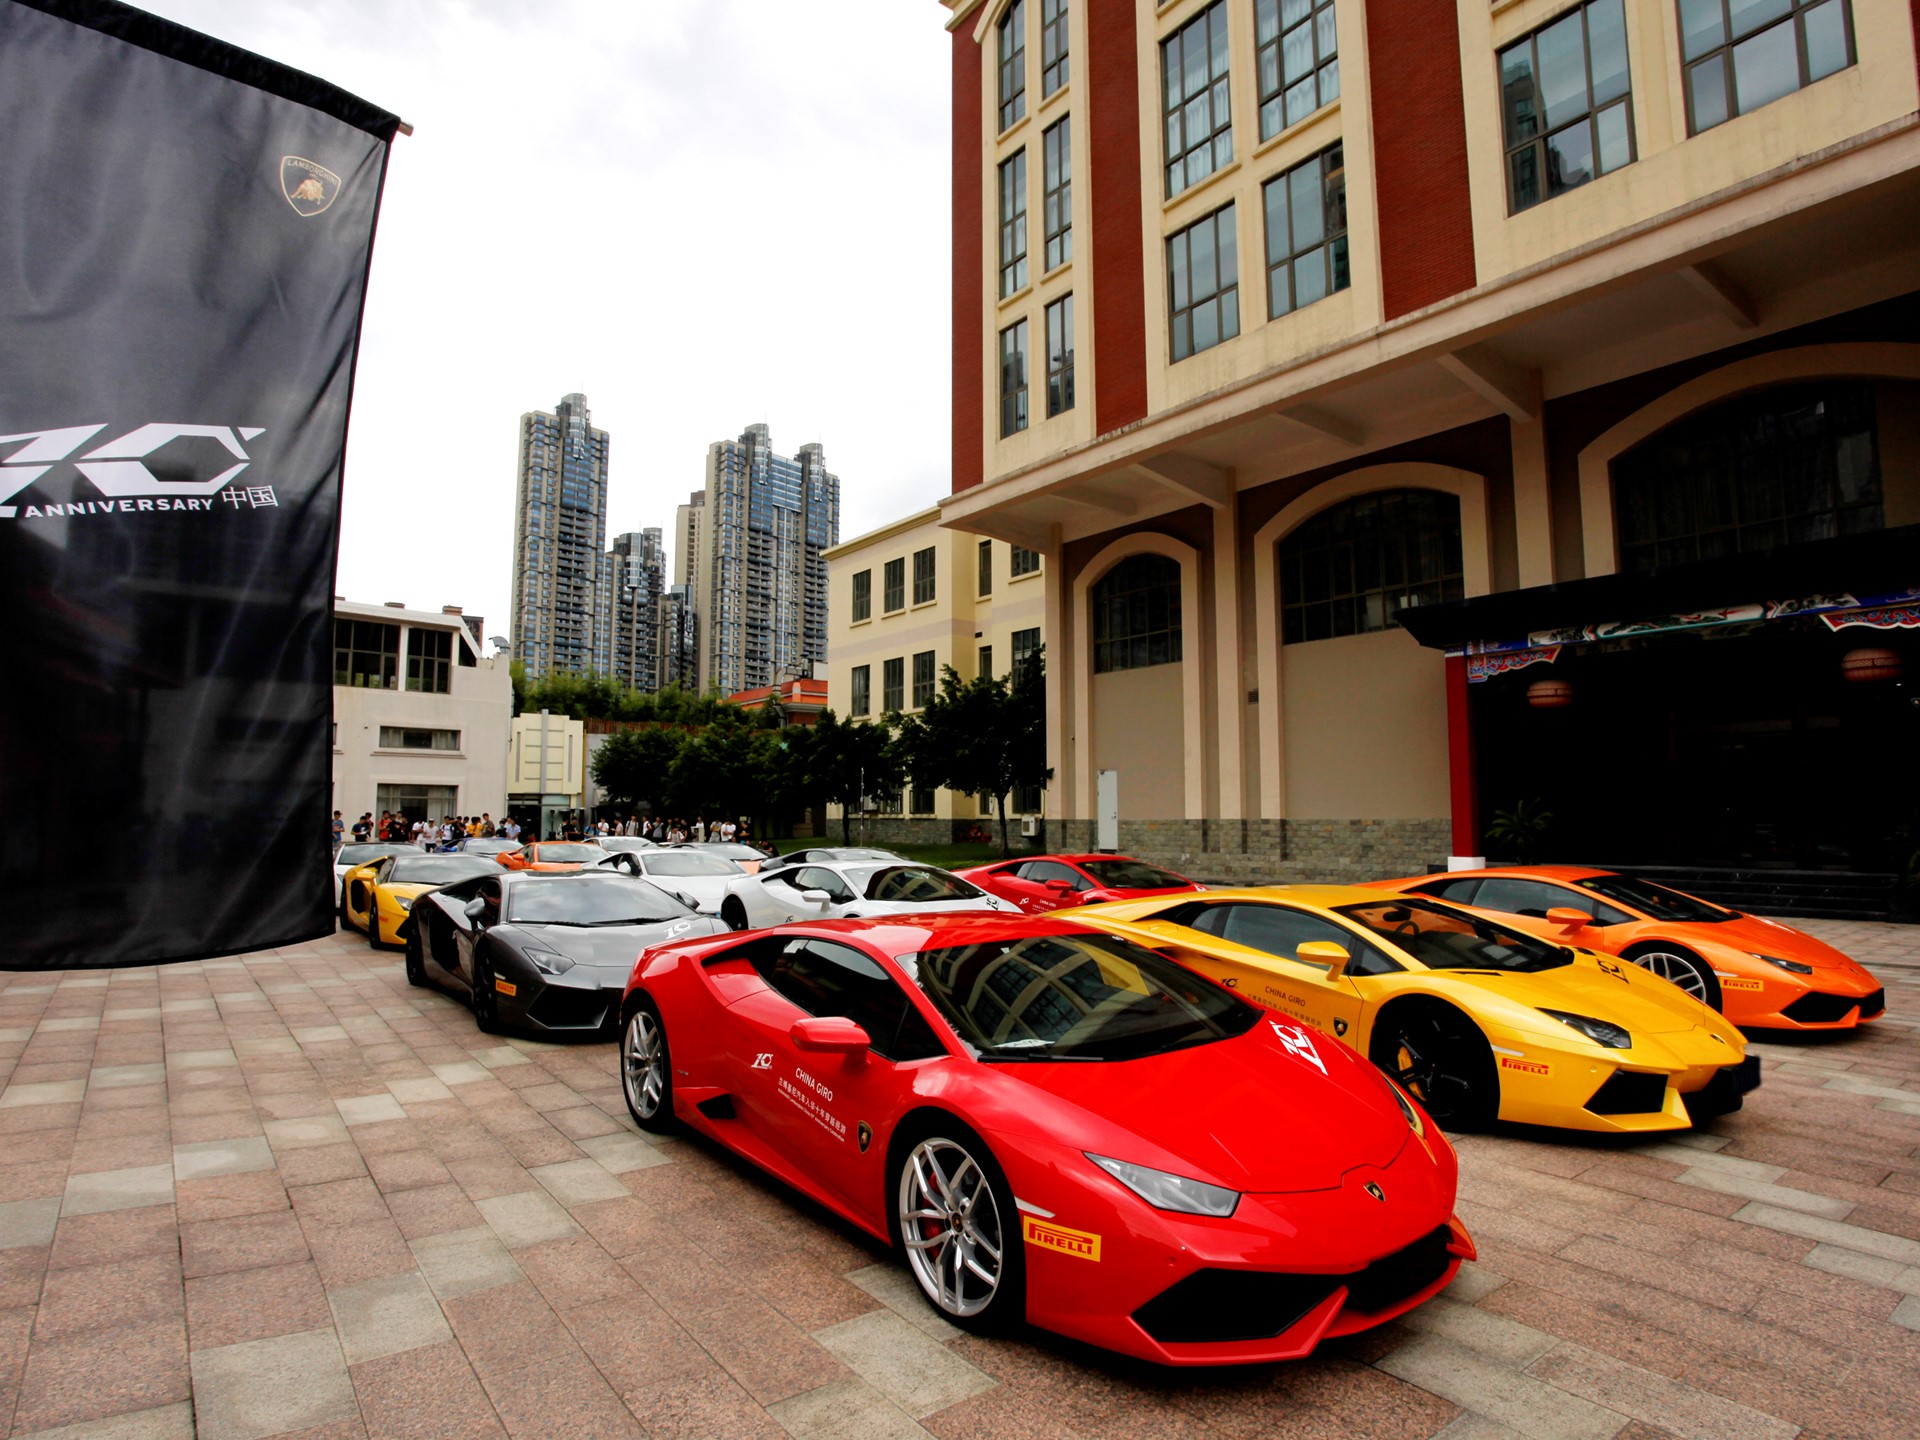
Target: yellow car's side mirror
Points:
(1324, 952)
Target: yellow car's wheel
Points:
(1439, 1057)
(373, 923)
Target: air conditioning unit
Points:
(1029, 826)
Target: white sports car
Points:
(705, 881)
(848, 888)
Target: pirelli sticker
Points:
(1734, 982)
(1525, 1067)
(1048, 1236)
(504, 988)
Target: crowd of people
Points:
(395, 828)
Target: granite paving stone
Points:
(271, 1387)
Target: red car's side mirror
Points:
(1059, 887)
(829, 1035)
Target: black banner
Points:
(185, 231)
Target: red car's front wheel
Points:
(957, 1222)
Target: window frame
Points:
(1537, 143)
(893, 586)
(429, 665)
(863, 595)
(923, 576)
(1317, 71)
(893, 685)
(926, 679)
(1321, 536)
(1055, 47)
(1059, 318)
(1797, 11)
(1179, 257)
(1011, 182)
(1016, 409)
(1019, 565)
(1329, 166)
(1218, 92)
(1121, 597)
(1056, 195)
(385, 657)
(1011, 52)
(860, 687)
(984, 579)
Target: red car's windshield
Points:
(1073, 997)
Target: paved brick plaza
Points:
(286, 1194)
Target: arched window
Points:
(1355, 567)
(1136, 614)
(1781, 467)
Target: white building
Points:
(420, 716)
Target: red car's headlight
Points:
(1169, 1192)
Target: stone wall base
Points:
(1253, 852)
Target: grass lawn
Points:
(948, 857)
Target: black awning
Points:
(1883, 562)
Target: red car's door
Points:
(829, 1113)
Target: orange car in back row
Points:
(1757, 972)
(552, 855)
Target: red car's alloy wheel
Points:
(951, 1226)
(645, 1075)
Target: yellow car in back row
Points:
(376, 897)
(1478, 1021)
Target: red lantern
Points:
(1550, 694)
(1870, 662)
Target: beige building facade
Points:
(1355, 367)
(420, 717)
(905, 602)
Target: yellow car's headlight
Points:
(405, 902)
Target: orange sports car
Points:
(552, 855)
(1757, 972)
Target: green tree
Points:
(632, 766)
(846, 761)
(727, 769)
(983, 736)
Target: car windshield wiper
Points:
(635, 920)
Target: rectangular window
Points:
(429, 661)
(863, 595)
(1060, 355)
(1306, 233)
(1026, 646)
(893, 595)
(886, 803)
(861, 701)
(418, 802)
(923, 575)
(1565, 105)
(1013, 63)
(1194, 100)
(366, 654)
(919, 802)
(893, 686)
(1297, 59)
(985, 670)
(1053, 46)
(986, 568)
(1056, 201)
(923, 680)
(1025, 561)
(398, 737)
(1203, 282)
(1742, 54)
(1013, 224)
(1013, 379)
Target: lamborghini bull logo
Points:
(118, 469)
(309, 188)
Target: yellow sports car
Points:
(1477, 1020)
(375, 897)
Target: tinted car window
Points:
(1041, 871)
(914, 884)
(437, 869)
(1443, 939)
(1457, 890)
(1279, 930)
(825, 978)
(1655, 901)
(1132, 875)
(1073, 997)
(351, 855)
(812, 877)
(591, 900)
(690, 862)
(567, 854)
(1536, 897)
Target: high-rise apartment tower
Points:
(561, 570)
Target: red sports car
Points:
(1053, 1122)
(1055, 882)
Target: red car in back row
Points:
(1041, 883)
(1010, 1102)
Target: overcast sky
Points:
(700, 213)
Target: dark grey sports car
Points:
(547, 951)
